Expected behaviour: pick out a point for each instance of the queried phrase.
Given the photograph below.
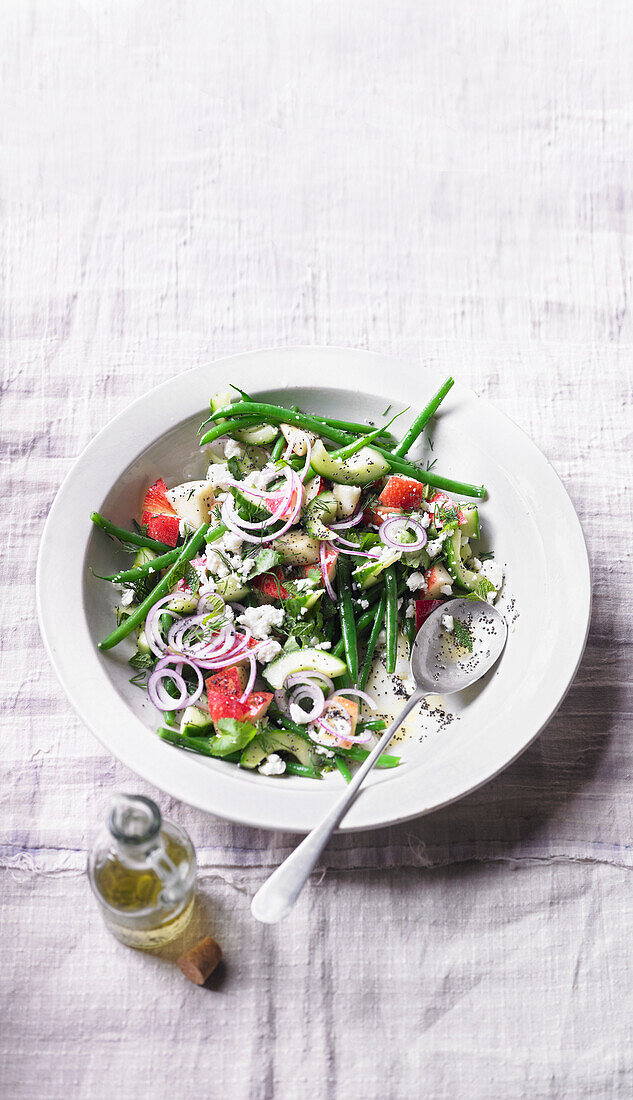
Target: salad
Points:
(260, 597)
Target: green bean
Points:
(129, 537)
(391, 618)
(159, 563)
(301, 769)
(422, 419)
(277, 415)
(363, 623)
(373, 639)
(376, 724)
(162, 588)
(229, 426)
(384, 761)
(278, 449)
(200, 745)
(245, 408)
(346, 611)
(340, 763)
(142, 570)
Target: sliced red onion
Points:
(361, 695)
(234, 523)
(306, 467)
(152, 632)
(162, 671)
(357, 553)
(316, 696)
(251, 680)
(326, 580)
(268, 494)
(347, 523)
(303, 677)
(404, 522)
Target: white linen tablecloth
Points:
(449, 182)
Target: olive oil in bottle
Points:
(142, 871)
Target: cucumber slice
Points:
(320, 511)
(470, 529)
(265, 434)
(232, 588)
(362, 468)
(144, 556)
(221, 400)
(142, 644)
(458, 571)
(368, 574)
(183, 603)
(303, 660)
(196, 723)
(275, 741)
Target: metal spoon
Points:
(439, 665)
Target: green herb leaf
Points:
(483, 587)
(462, 635)
(142, 660)
(266, 560)
(233, 735)
(188, 574)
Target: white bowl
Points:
(528, 519)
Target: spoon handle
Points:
(274, 900)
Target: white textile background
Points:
(447, 181)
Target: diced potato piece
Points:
(347, 498)
(298, 437)
(297, 548)
(192, 501)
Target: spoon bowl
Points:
(440, 664)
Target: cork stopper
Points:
(201, 961)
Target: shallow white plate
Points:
(528, 519)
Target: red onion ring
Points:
(152, 633)
(326, 580)
(302, 677)
(356, 553)
(161, 700)
(251, 680)
(308, 691)
(347, 523)
(303, 473)
(405, 522)
(361, 694)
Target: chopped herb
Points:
(189, 575)
(486, 556)
(142, 661)
(386, 410)
(462, 635)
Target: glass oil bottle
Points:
(142, 871)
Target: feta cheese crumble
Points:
(232, 449)
(446, 590)
(260, 620)
(267, 651)
(273, 765)
(448, 622)
(416, 581)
